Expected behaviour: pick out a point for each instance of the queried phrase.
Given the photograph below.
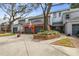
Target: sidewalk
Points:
(68, 50)
(40, 49)
(13, 49)
(26, 47)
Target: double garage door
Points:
(75, 29)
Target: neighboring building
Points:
(15, 28)
(71, 21)
(37, 21)
(18, 25)
(4, 27)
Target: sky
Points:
(39, 10)
(54, 9)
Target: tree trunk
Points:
(45, 23)
(46, 13)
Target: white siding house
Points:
(57, 17)
(18, 25)
(36, 19)
(71, 21)
(56, 21)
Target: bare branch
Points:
(4, 10)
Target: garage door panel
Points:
(75, 29)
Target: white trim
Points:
(71, 10)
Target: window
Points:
(54, 15)
(21, 21)
(67, 16)
(59, 14)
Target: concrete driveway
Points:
(24, 46)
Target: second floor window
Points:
(67, 16)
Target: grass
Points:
(6, 34)
(64, 42)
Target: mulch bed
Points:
(44, 37)
(67, 43)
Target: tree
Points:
(74, 5)
(16, 11)
(46, 7)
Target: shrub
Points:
(41, 30)
(49, 32)
(46, 35)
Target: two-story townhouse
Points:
(56, 20)
(71, 21)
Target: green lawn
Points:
(6, 34)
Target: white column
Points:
(12, 28)
(68, 28)
(50, 20)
